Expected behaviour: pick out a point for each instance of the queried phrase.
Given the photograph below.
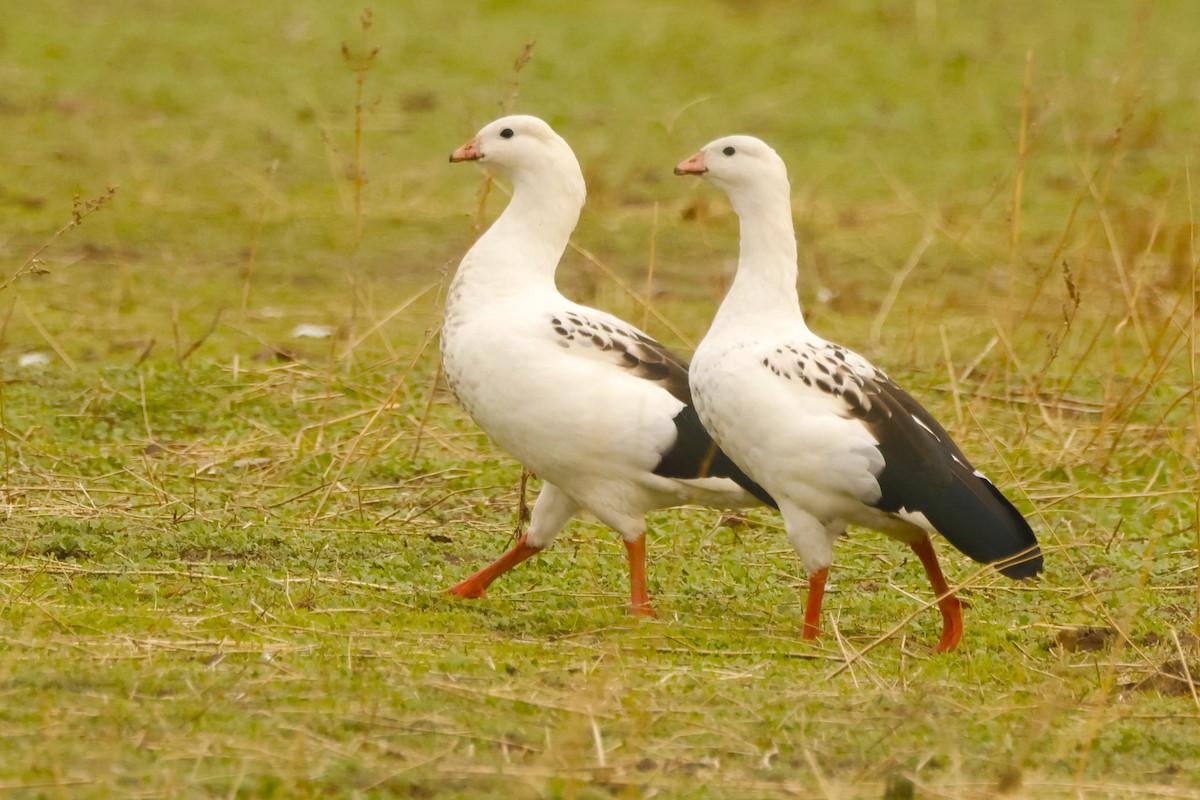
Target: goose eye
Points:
(507, 133)
(729, 151)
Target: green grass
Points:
(221, 569)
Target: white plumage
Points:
(830, 437)
(593, 406)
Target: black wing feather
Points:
(925, 471)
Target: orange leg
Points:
(477, 584)
(639, 598)
(952, 620)
(812, 608)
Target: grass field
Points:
(225, 546)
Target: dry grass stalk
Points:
(80, 210)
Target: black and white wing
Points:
(924, 472)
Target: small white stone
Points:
(309, 331)
(33, 360)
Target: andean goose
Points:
(828, 435)
(596, 408)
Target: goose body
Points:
(827, 434)
(596, 408)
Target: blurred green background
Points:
(895, 117)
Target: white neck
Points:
(764, 288)
(522, 248)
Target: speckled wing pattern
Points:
(924, 470)
(627, 347)
(830, 369)
(693, 454)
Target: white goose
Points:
(596, 408)
(830, 437)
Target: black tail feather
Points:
(978, 519)
(925, 471)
